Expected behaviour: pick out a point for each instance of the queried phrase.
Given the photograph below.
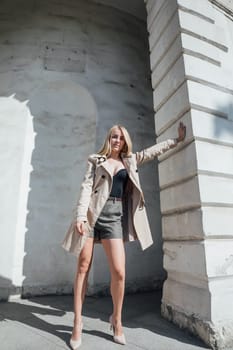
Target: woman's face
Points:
(117, 140)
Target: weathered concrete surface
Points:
(46, 323)
(74, 69)
(202, 328)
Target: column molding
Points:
(191, 53)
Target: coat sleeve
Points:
(154, 151)
(86, 190)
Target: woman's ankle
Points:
(77, 321)
(116, 318)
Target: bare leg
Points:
(115, 252)
(80, 284)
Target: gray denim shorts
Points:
(109, 223)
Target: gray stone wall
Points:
(134, 7)
(68, 71)
(191, 60)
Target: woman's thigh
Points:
(115, 251)
(85, 257)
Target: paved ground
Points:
(45, 323)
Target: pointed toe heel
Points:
(75, 344)
(119, 339)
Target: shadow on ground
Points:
(50, 318)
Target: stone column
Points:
(191, 54)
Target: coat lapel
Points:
(131, 169)
(106, 166)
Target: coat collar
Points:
(101, 161)
(128, 163)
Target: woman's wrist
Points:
(178, 139)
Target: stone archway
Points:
(49, 55)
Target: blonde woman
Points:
(111, 211)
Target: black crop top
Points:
(119, 183)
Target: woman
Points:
(111, 210)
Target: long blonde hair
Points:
(105, 150)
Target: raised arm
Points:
(162, 147)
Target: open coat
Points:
(95, 191)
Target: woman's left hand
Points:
(181, 132)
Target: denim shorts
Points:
(109, 223)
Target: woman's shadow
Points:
(49, 314)
(29, 314)
(54, 315)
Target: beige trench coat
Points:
(95, 191)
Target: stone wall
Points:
(191, 61)
(68, 71)
(134, 7)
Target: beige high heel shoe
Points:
(75, 344)
(119, 339)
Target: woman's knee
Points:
(118, 274)
(84, 265)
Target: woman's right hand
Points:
(81, 227)
(181, 132)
